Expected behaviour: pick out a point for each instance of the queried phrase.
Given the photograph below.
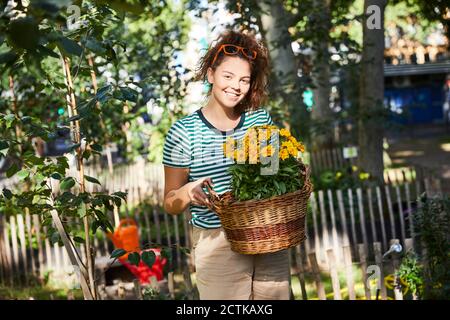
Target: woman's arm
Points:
(179, 193)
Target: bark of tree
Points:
(370, 125)
(321, 113)
(275, 30)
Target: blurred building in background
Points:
(417, 73)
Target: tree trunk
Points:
(275, 30)
(371, 110)
(76, 138)
(321, 113)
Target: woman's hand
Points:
(196, 194)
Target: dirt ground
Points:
(424, 146)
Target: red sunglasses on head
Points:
(231, 49)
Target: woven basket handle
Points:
(307, 172)
(212, 193)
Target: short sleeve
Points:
(177, 147)
(269, 118)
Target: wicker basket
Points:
(267, 225)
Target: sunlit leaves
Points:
(23, 33)
(117, 253)
(148, 257)
(67, 183)
(92, 179)
(69, 47)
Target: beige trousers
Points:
(223, 274)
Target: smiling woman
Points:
(237, 68)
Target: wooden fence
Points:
(368, 277)
(344, 228)
(333, 159)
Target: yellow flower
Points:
(364, 176)
(285, 133)
(338, 174)
(284, 154)
(293, 151)
(241, 156)
(287, 144)
(354, 168)
(267, 151)
(251, 134)
(297, 144)
(264, 135)
(253, 152)
(253, 156)
(228, 148)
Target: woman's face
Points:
(230, 81)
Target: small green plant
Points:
(347, 178)
(152, 293)
(432, 226)
(411, 272)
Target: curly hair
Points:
(259, 67)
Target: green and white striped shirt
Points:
(193, 142)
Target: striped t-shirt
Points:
(193, 142)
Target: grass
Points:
(48, 292)
(311, 289)
(36, 293)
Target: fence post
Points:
(323, 222)
(334, 275)
(352, 220)
(372, 217)
(343, 217)
(391, 211)
(381, 215)
(171, 284)
(144, 213)
(37, 227)
(400, 213)
(362, 218)
(8, 251)
(177, 240)
(137, 289)
(156, 220)
(23, 246)
(395, 264)
(316, 274)
(5, 250)
(336, 245)
(348, 264)
(15, 246)
(363, 263)
(317, 246)
(410, 212)
(30, 241)
(379, 261)
(301, 271)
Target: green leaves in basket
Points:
(248, 183)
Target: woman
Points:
(236, 67)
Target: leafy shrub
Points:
(432, 223)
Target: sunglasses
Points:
(231, 49)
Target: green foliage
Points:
(134, 258)
(432, 228)
(411, 272)
(149, 258)
(117, 253)
(248, 183)
(35, 174)
(132, 46)
(349, 178)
